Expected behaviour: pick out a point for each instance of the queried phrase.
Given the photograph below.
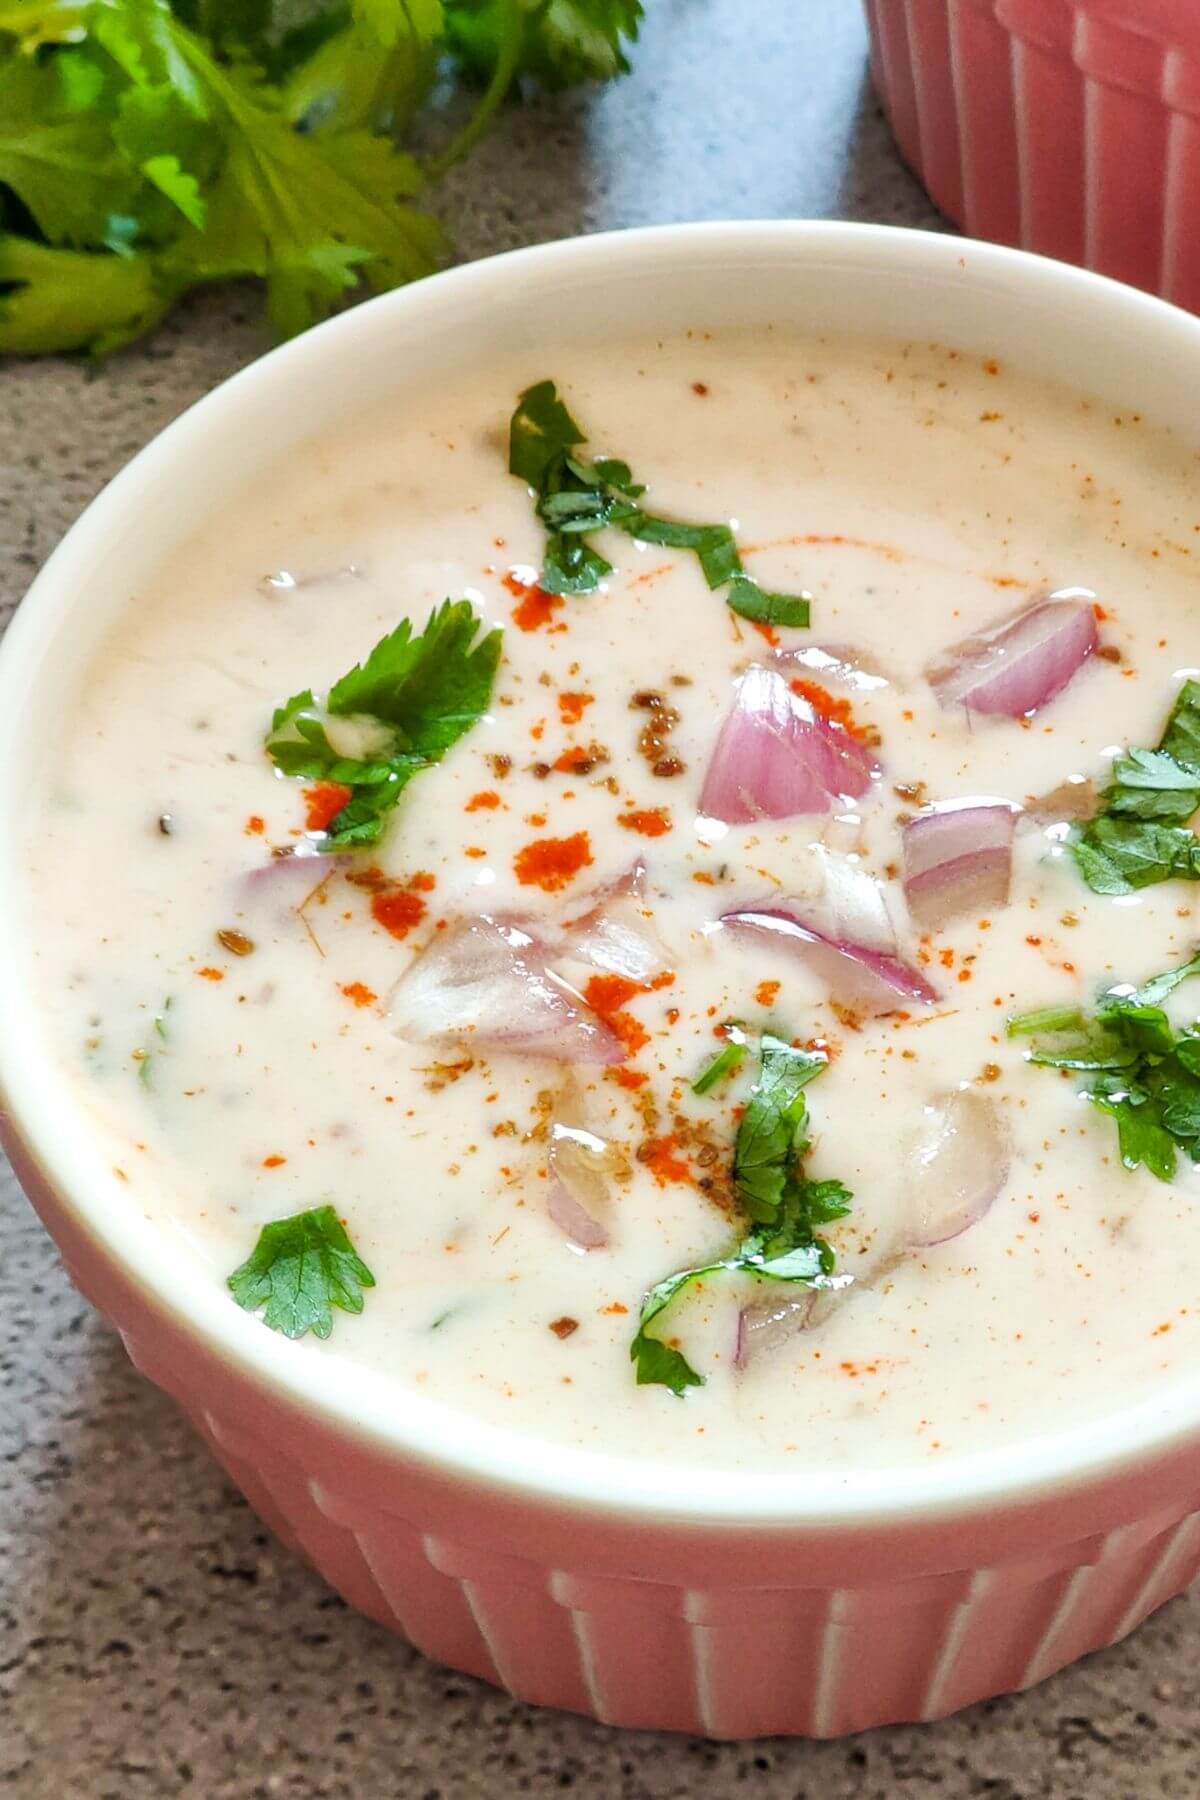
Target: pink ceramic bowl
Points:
(1071, 127)
(713, 1603)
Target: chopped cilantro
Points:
(576, 498)
(299, 1270)
(1142, 1073)
(1140, 837)
(147, 148)
(786, 1207)
(724, 1062)
(407, 704)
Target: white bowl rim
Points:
(429, 1434)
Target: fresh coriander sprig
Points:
(576, 498)
(147, 149)
(1139, 1071)
(411, 699)
(299, 1270)
(785, 1206)
(1140, 835)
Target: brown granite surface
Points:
(153, 1641)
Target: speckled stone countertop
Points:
(153, 1640)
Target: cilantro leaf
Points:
(1139, 837)
(224, 139)
(559, 43)
(785, 1205)
(1141, 1073)
(724, 1063)
(432, 687)
(299, 1270)
(408, 703)
(772, 1126)
(576, 498)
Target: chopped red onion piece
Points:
(1013, 667)
(615, 934)
(958, 859)
(860, 978)
(1075, 798)
(836, 663)
(573, 1219)
(776, 757)
(959, 1164)
(769, 1323)
(488, 982)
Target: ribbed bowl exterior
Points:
(1069, 127)
(723, 1633)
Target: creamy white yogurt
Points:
(918, 494)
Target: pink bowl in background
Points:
(705, 1601)
(1070, 127)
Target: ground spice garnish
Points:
(766, 992)
(607, 995)
(209, 974)
(570, 707)
(767, 631)
(397, 910)
(562, 1328)
(255, 825)
(652, 738)
(273, 1162)
(236, 942)
(359, 992)
(654, 822)
(834, 707)
(485, 801)
(550, 863)
(323, 803)
(629, 1078)
(536, 608)
(579, 760)
(659, 1156)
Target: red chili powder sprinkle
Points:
(536, 608)
(550, 863)
(422, 882)
(475, 850)
(255, 825)
(766, 991)
(359, 992)
(487, 801)
(660, 1158)
(323, 803)
(835, 708)
(397, 911)
(607, 996)
(654, 822)
(273, 1162)
(629, 1078)
(1099, 611)
(614, 1307)
(767, 631)
(573, 759)
(211, 974)
(571, 707)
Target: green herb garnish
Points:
(724, 1062)
(576, 497)
(1140, 1071)
(299, 1270)
(407, 704)
(785, 1206)
(1139, 837)
(147, 149)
